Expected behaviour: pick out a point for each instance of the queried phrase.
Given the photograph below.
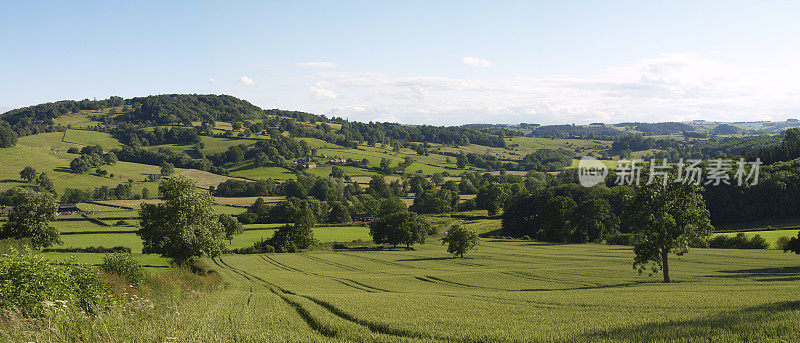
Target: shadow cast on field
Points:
(431, 259)
(763, 274)
(694, 329)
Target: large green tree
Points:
(8, 137)
(399, 228)
(291, 238)
(184, 226)
(459, 240)
(665, 219)
(28, 174)
(231, 226)
(33, 212)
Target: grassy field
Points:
(261, 173)
(86, 137)
(47, 153)
(506, 291)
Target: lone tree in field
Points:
(292, 238)
(184, 226)
(460, 240)
(167, 169)
(28, 174)
(664, 220)
(33, 212)
(399, 228)
(231, 226)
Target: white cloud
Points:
(212, 80)
(319, 92)
(319, 65)
(476, 62)
(248, 82)
(666, 87)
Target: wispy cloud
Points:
(212, 80)
(476, 62)
(667, 87)
(248, 82)
(319, 65)
(319, 92)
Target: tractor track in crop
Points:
(314, 323)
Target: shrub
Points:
(782, 243)
(31, 283)
(122, 223)
(618, 239)
(260, 247)
(740, 241)
(123, 265)
(101, 250)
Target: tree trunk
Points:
(665, 265)
(462, 255)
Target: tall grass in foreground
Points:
(146, 312)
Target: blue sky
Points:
(435, 62)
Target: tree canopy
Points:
(33, 212)
(665, 218)
(184, 226)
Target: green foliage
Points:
(305, 218)
(44, 182)
(33, 284)
(740, 241)
(459, 240)
(665, 219)
(124, 265)
(33, 212)
(339, 213)
(546, 160)
(8, 137)
(28, 174)
(391, 205)
(782, 243)
(167, 169)
(793, 245)
(435, 201)
(231, 226)
(184, 226)
(399, 228)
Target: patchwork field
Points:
(506, 291)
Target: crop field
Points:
(506, 291)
